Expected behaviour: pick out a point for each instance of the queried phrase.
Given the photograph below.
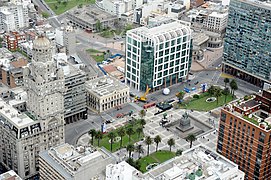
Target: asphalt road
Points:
(43, 7)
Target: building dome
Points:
(41, 43)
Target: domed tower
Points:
(42, 49)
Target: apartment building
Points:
(245, 134)
(198, 162)
(13, 17)
(24, 135)
(66, 162)
(12, 40)
(106, 92)
(158, 56)
(247, 41)
(216, 22)
(65, 37)
(75, 103)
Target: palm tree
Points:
(233, 86)
(180, 96)
(92, 132)
(130, 131)
(191, 138)
(130, 148)
(111, 136)
(211, 90)
(226, 92)
(226, 81)
(142, 113)
(171, 142)
(148, 142)
(99, 136)
(139, 149)
(218, 93)
(157, 140)
(121, 133)
(142, 122)
(139, 130)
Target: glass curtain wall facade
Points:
(248, 41)
(158, 56)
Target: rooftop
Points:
(13, 115)
(105, 85)
(10, 175)
(91, 14)
(68, 160)
(196, 163)
(169, 29)
(250, 108)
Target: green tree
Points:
(226, 81)
(157, 140)
(98, 26)
(148, 142)
(211, 90)
(130, 148)
(226, 92)
(139, 149)
(191, 138)
(130, 131)
(142, 113)
(65, 3)
(139, 130)
(92, 132)
(111, 136)
(180, 96)
(218, 93)
(233, 86)
(99, 136)
(171, 142)
(179, 152)
(121, 133)
(45, 15)
(142, 122)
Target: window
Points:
(223, 116)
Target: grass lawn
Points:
(201, 104)
(97, 55)
(156, 157)
(125, 140)
(59, 7)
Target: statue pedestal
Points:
(184, 129)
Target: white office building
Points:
(13, 17)
(158, 56)
(216, 21)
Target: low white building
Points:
(216, 21)
(10, 175)
(196, 163)
(106, 92)
(66, 162)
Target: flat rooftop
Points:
(169, 29)
(91, 14)
(13, 115)
(104, 86)
(68, 160)
(199, 162)
(250, 109)
(10, 175)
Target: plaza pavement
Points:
(152, 128)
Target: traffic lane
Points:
(75, 130)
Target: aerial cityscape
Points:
(135, 90)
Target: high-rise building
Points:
(248, 41)
(13, 17)
(158, 56)
(24, 135)
(245, 134)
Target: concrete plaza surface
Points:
(152, 128)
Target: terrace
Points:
(252, 111)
